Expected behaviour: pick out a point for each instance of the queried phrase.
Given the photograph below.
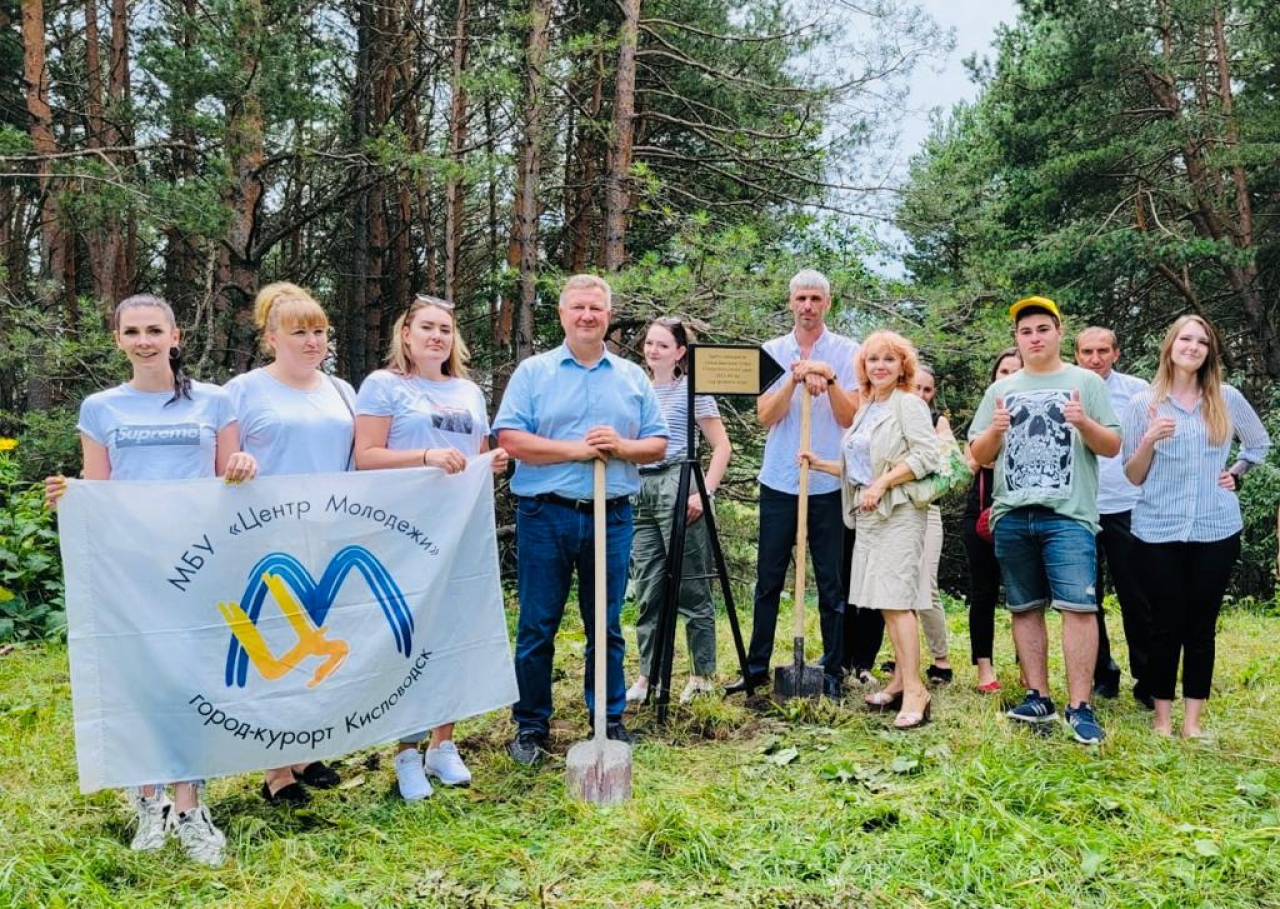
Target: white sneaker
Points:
(638, 691)
(696, 685)
(413, 782)
(445, 764)
(153, 815)
(202, 841)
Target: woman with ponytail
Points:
(1178, 435)
(424, 411)
(666, 346)
(160, 425)
(294, 419)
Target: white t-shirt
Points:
(290, 431)
(857, 445)
(450, 413)
(147, 439)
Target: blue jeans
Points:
(552, 541)
(1046, 559)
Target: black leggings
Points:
(863, 628)
(1184, 583)
(984, 591)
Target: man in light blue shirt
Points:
(1098, 350)
(819, 363)
(562, 411)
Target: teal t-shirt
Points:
(1043, 460)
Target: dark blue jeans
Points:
(777, 542)
(552, 542)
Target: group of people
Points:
(1036, 444)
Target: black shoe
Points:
(319, 775)
(740, 684)
(528, 747)
(937, 675)
(888, 666)
(1143, 696)
(615, 731)
(832, 687)
(292, 794)
(1106, 684)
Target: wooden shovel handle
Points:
(802, 511)
(601, 599)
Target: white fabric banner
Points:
(220, 629)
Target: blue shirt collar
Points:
(565, 355)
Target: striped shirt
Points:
(1181, 500)
(673, 398)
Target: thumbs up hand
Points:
(1158, 427)
(1000, 420)
(1073, 412)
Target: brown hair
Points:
(897, 344)
(181, 381)
(284, 305)
(398, 358)
(683, 336)
(1217, 420)
(1001, 357)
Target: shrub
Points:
(32, 603)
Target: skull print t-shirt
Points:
(1043, 460)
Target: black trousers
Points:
(863, 628)
(773, 558)
(1184, 583)
(1117, 548)
(984, 591)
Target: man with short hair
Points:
(562, 411)
(1098, 350)
(818, 363)
(1044, 428)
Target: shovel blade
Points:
(599, 772)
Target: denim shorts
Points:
(1046, 560)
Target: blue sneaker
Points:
(1084, 724)
(1035, 708)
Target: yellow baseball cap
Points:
(1040, 302)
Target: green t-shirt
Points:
(1043, 460)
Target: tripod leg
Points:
(722, 570)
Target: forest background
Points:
(1121, 156)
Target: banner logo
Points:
(305, 605)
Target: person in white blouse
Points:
(1187, 521)
(424, 411)
(294, 419)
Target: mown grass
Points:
(761, 805)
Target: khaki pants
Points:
(929, 606)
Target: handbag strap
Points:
(342, 393)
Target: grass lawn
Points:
(762, 805)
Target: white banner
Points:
(220, 629)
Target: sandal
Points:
(913, 719)
(291, 794)
(991, 687)
(884, 701)
(939, 675)
(319, 775)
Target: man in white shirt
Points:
(819, 363)
(1098, 350)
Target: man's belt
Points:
(658, 468)
(585, 506)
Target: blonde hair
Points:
(1217, 420)
(591, 282)
(398, 359)
(896, 344)
(288, 306)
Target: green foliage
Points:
(31, 590)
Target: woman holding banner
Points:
(160, 425)
(423, 411)
(666, 345)
(294, 419)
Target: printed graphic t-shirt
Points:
(424, 414)
(1044, 461)
(291, 431)
(149, 440)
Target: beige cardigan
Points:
(906, 435)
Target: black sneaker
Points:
(832, 687)
(1106, 684)
(1035, 708)
(528, 747)
(739, 684)
(617, 732)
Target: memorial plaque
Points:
(732, 369)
